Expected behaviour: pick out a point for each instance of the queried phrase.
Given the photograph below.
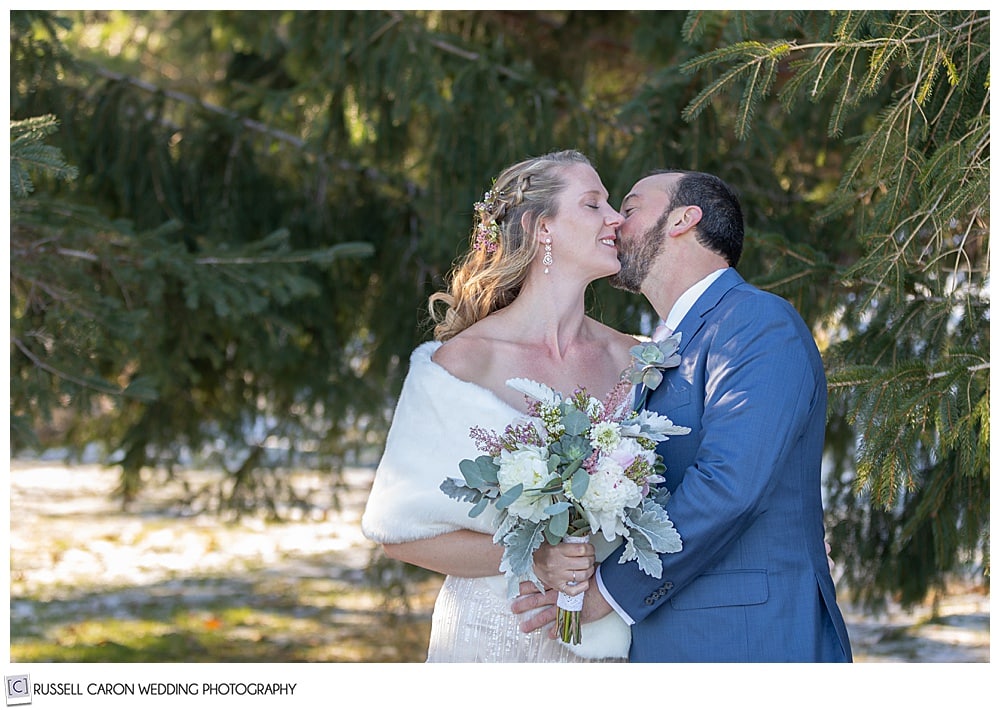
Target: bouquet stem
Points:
(569, 608)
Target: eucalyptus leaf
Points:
(580, 483)
(509, 496)
(553, 486)
(576, 422)
(479, 507)
(471, 473)
(488, 469)
(555, 531)
(558, 507)
(572, 467)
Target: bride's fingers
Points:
(577, 549)
(579, 576)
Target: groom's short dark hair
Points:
(721, 225)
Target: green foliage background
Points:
(225, 226)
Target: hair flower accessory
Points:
(486, 235)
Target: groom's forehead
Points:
(654, 187)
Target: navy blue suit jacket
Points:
(752, 583)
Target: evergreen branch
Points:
(972, 369)
(76, 253)
(776, 283)
(759, 53)
(28, 152)
(549, 92)
(345, 249)
(57, 293)
(181, 97)
(848, 96)
(897, 412)
(866, 378)
(885, 51)
(694, 25)
(89, 384)
(875, 43)
(249, 124)
(757, 87)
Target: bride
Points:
(515, 308)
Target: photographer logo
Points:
(18, 689)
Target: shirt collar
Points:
(688, 298)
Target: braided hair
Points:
(490, 275)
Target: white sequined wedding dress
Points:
(472, 620)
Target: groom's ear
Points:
(684, 219)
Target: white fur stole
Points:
(428, 436)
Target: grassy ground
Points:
(91, 583)
(234, 621)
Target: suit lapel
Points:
(693, 322)
(695, 318)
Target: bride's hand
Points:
(567, 566)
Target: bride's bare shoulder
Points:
(626, 340)
(618, 341)
(463, 355)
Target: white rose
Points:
(608, 494)
(529, 467)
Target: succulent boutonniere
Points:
(650, 358)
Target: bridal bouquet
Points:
(573, 467)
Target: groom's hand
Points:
(538, 609)
(529, 600)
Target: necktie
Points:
(661, 332)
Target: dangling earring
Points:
(547, 259)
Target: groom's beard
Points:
(637, 257)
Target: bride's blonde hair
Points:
(491, 273)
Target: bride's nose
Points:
(614, 219)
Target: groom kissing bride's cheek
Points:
(737, 372)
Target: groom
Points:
(752, 583)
